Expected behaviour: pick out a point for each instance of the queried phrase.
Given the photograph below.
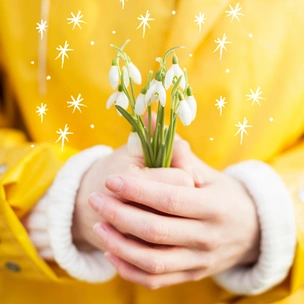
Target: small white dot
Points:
(173, 12)
(271, 119)
(114, 32)
(92, 42)
(250, 35)
(32, 146)
(227, 71)
(211, 138)
(48, 77)
(92, 126)
(190, 55)
(32, 62)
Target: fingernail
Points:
(111, 258)
(114, 183)
(100, 230)
(96, 201)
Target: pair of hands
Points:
(162, 227)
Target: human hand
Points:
(119, 162)
(201, 231)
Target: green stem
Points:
(149, 122)
(129, 118)
(171, 140)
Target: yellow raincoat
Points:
(266, 52)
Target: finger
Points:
(186, 160)
(152, 281)
(148, 226)
(172, 176)
(154, 260)
(170, 199)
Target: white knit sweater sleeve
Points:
(50, 221)
(278, 234)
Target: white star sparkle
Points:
(63, 52)
(41, 110)
(234, 12)
(255, 96)
(199, 20)
(123, 3)
(76, 20)
(41, 27)
(144, 22)
(76, 103)
(221, 45)
(63, 135)
(242, 128)
(220, 104)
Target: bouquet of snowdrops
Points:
(156, 147)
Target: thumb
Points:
(153, 121)
(183, 158)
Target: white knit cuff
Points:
(278, 233)
(50, 221)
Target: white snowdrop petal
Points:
(152, 82)
(150, 92)
(122, 100)
(134, 144)
(192, 105)
(134, 73)
(183, 83)
(184, 113)
(114, 76)
(169, 77)
(162, 94)
(140, 104)
(179, 72)
(111, 100)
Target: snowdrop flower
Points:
(134, 73)
(156, 91)
(134, 144)
(174, 71)
(191, 103)
(114, 75)
(184, 112)
(119, 98)
(141, 104)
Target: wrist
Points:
(251, 250)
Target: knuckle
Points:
(155, 266)
(136, 193)
(188, 181)
(172, 201)
(156, 233)
(209, 243)
(115, 249)
(111, 215)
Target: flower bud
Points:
(134, 144)
(184, 113)
(114, 75)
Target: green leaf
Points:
(133, 123)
